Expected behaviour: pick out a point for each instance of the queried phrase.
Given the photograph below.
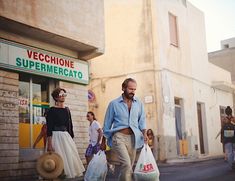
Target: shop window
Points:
(33, 103)
(24, 116)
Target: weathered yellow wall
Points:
(78, 20)
(128, 53)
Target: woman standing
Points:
(60, 134)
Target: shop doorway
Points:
(33, 103)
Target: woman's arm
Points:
(49, 144)
(38, 139)
(50, 125)
(70, 125)
(218, 134)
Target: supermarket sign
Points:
(40, 62)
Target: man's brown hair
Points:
(125, 83)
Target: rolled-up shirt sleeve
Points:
(142, 121)
(108, 121)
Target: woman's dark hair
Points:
(91, 113)
(228, 111)
(125, 83)
(56, 92)
(150, 131)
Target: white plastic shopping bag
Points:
(146, 168)
(97, 168)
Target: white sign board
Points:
(36, 61)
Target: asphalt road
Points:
(211, 170)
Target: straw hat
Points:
(50, 165)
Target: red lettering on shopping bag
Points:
(148, 168)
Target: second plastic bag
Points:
(97, 168)
(146, 168)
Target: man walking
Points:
(125, 127)
(95, 135)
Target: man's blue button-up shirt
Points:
(118, 117)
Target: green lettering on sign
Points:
(48, 68)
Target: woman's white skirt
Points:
(64, 145)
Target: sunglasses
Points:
(62, 94)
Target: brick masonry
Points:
(9, 124)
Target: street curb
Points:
(189, 160)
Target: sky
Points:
(219, 20)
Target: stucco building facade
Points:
(43, 45)
(162, 44)
(225, 57)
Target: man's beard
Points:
(129, 96)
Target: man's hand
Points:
(145, 136)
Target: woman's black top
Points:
(59, 119)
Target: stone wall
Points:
(77, 101)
